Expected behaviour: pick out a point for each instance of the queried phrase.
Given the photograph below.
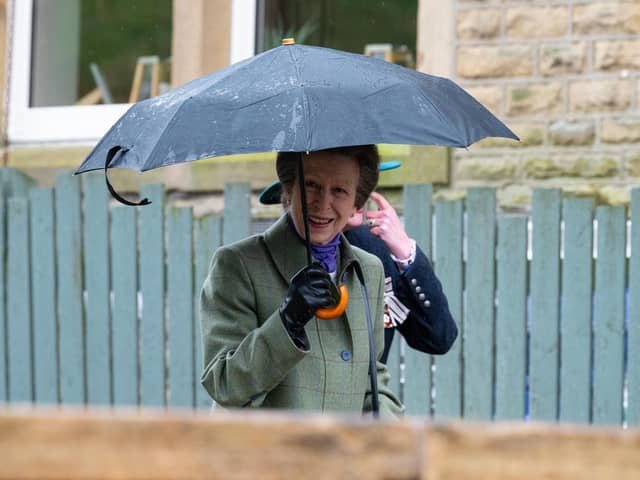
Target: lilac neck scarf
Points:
(326, 254)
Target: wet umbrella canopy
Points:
(295, 98)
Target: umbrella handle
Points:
(338, 309)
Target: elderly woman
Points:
(263, 344)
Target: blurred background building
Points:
(563, 74)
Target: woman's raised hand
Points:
(384, 223)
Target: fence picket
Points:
(633, 339)
(511, 318)
(237, 212)
(478, 328)
(545, 301)
(43, 301)
(181, 375)
(575, 335)
(418, 213)
(608, 334)
(70, 289)
(152, 282)
(18, 300)
(208, 237)
(3, 286)
(14, 183)
(394, 361)
(449, 269)
(417, 365)
(124, 285)
(97, 285)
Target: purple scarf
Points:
(326, 254)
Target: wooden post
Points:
(153, 62)
(137, 82)
(201, 39)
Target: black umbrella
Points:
(295, 98)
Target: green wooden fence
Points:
(99, 302)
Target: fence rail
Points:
(161, 445)
(99, 303)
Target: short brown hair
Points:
(366, 155)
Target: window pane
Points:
(87, 52)
(351, 25)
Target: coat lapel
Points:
(355, 312)
(285, 247)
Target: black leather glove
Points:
(310, 289)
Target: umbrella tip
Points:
(288, 41)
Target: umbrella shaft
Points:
(303, 199)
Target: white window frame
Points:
(28, 124)
(243, 30)
(87, 123)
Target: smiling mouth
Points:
(319, 221)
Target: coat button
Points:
(427, 303)
(345, 355)
(421, 297)
(414, 281)
(418, 290)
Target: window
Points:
(88, 51)
(76, 64)
(385, 28)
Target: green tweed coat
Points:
(249, 358)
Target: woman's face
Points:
(331, 181)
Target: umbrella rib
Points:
(164, 130)
(443, 117)
(305, 106)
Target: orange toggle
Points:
(338, 309)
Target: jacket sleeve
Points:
(389, 404)
(429, 326)
(240, 350)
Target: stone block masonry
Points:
(564, 75)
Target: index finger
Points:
(381, 202)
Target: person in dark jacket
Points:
(415, 303)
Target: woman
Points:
(263, 345)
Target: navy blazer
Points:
(429, 327)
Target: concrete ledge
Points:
(421, 164)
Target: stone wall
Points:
(564, 75)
